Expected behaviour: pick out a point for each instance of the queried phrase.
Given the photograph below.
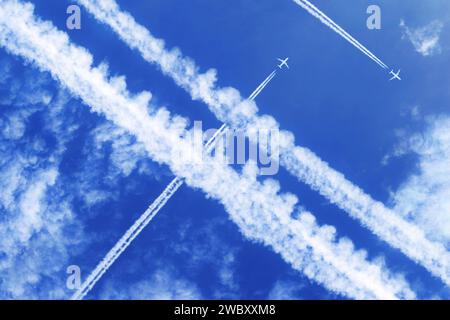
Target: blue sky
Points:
(91, 179)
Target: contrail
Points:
(314, 11)
(135, 230)
(262, 213)
(127, 238)
(372, 214)
(229, 107)
(149, 214)
(262, 86)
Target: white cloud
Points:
(260, 210)
(205, 244)
(230, 107)
(425, 196)
(32, 203)
(226, 274)
(122, 145)
(424, 39)
(286, 290)
(35, 211)
(110, 154)
(162, 285)
(39, 230)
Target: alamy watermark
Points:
(73, 21)
(234, 147)
(73, 281)
(374, 20)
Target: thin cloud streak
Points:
(228, 106)
(315, 12)
(127, 238)
(261, 87)
(372, 214)
(150, 213)
(261, 212)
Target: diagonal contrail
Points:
(127, 238)
(314, 11)
(301, 162)
(262, 213)
(137, 227)
(262, 86)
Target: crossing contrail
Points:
(229, 107)
(314, 11)
(150, 213)
(259, 209)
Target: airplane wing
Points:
(395, 75)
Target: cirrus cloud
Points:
(424, 39)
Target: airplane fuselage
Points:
(283, 63)
(395, 76)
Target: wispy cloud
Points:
(227, 103)
(123, 243)
(203, 244)
(425, 196)
(111, 154)
(229, 107)
(161, 285)
(286, 290)
(424, 39)
(262, 213)
(36, 214)
(40, 226)
(138, 226)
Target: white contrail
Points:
(229, 107)
(139, 225)
(262, 86)
(127, 238)
(314, 11)
(261, 212)
(382, 221)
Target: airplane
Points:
(283, 63)
(395, 76)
